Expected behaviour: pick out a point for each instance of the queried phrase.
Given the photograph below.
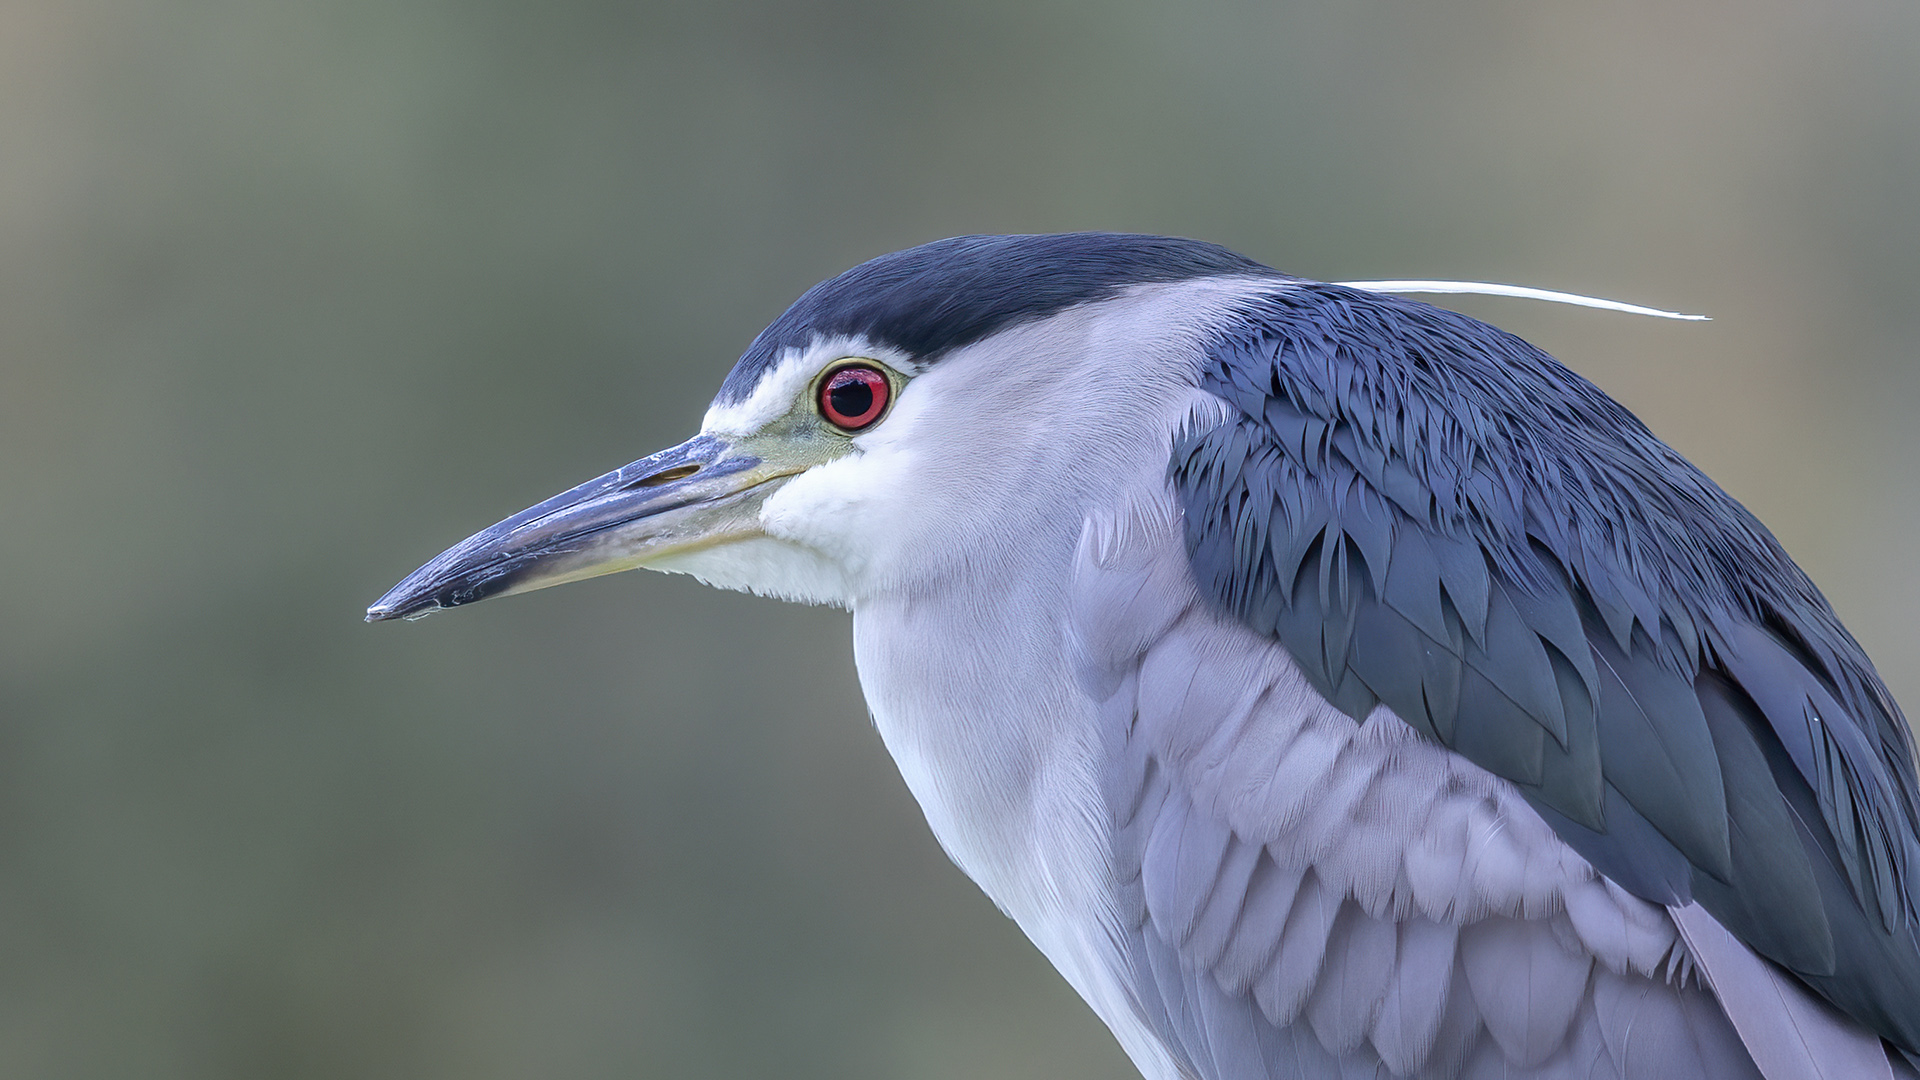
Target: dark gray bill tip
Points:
(455, 578)
(407, 600)
(387, 609)
(494, 560)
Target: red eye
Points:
(853, 397)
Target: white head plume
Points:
(1523, 292)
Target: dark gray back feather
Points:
(1432, 514)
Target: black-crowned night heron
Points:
(1329, 684)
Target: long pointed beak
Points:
(697, 494)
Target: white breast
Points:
(1004, 767)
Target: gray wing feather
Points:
(1602, 916)
(1528, 986)
(1295, 963)
(1185, 850)
(1232, 1030)
(1793, 1035)
(1361, 953)
(1644, 1033)
(1264, 909)
(1460, 1032)
(1404, 1033)
(1214, 929)
(1299, 894)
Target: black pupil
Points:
(851, 396)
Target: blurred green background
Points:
(292, 295)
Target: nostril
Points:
(667, 476)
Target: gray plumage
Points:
(1432, 514)
(1331, 685)
(1485, 947)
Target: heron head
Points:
(933, 411)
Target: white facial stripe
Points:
(774, 395)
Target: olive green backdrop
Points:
(292, 295)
